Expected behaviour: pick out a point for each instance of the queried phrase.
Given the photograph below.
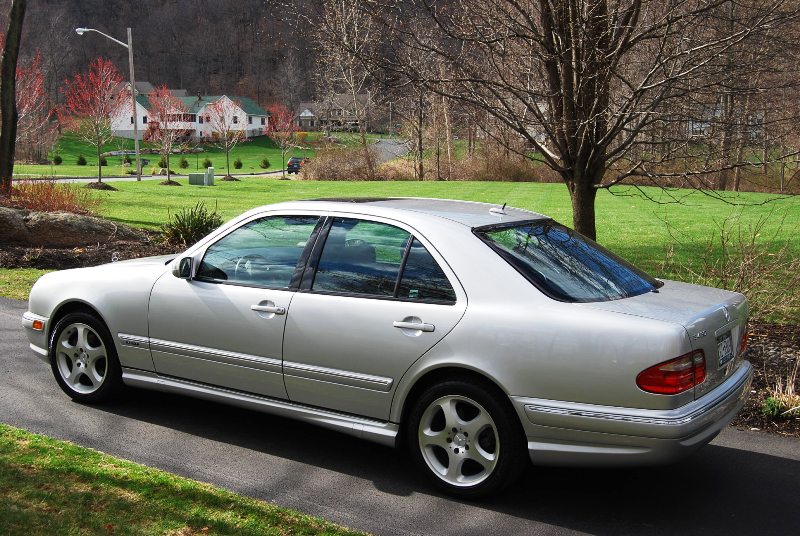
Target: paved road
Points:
(389, 149)
(743, 483)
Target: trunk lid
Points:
(714, 319)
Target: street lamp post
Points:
(129, 46)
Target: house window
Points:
(235, 118)
(208, 119)
(201, 132)
(131, 120)
(262, 121)
(144, 119)
(249, 119)
(201, 119)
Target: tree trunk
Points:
(420, 153)
(167, 159)
(448, 132)
(228, 159)
(583, 194)
(99, 167)
(8, 95)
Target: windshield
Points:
(564, 264)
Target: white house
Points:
(246, 116)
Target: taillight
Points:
(674, 376)
(743, 342)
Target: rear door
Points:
(374, 299)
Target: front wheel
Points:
(83, 358)
(465, 439)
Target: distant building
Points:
(249, 117)
(338, 113)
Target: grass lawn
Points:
(636, 228)
(55, 487)
(15, 283)
(69, 148)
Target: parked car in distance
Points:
(481, 337)
(295, 164)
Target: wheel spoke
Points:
(74, 375)
(82, 337)
(480, 456)
(454, 468)
(428, 437)
(94, 376)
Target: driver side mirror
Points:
(183, 268)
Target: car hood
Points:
(160, 260)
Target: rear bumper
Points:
(571, 433)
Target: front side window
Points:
(564, 264)
(263, 252)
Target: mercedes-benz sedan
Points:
(476, 335)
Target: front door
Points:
(225, 326)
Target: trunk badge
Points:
(700, 334)
(726, 313)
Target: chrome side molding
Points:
(385, 433)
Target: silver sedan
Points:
(476, 335)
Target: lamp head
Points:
(81, 31)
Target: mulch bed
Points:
(773, 349)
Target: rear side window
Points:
(379, 260)
(423, 279)
(566, 265)
(361, 257)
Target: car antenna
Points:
(504, 206)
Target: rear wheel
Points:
(83, 358)
(465, 439)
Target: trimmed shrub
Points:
(207, 163)
(103, 161)
(183, 163)
(57, 160)
(81, 161)
(126, 159)
(190, 225)
(237, 163)
(162, 162)
(264, 163)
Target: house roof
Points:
(196, 103)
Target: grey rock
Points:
(12, 226)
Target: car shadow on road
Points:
(718, 490)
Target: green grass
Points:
(638, 229)
(70, 147)
(55, 487)
(16, 283)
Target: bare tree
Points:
(227, 127)
(169, 125)
(345, 35)
(8, 96)
(586, 84)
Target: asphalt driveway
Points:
(743, 483)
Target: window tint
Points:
(361, 257)
(264, 252)
(423, 279)
(566, 265)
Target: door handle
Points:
(269, 309)
(421, 326)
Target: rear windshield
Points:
(564, 264)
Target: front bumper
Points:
(571, 433)
(36, 337)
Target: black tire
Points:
(501, 437)
(93, 353)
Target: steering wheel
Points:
(245, 264)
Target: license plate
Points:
(725, 346)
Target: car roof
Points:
(469, 213)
